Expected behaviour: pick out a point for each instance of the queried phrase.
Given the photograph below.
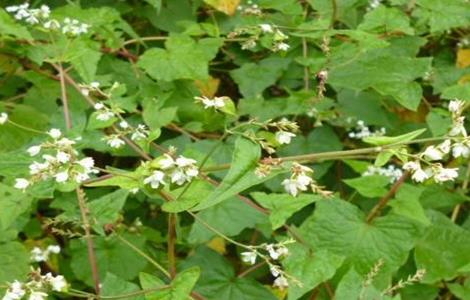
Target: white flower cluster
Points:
(373, 4)
(275, 252)
(74, 27)
(458, 145)
(216, 102)
(37, 288)
(300, 179)
(250, 9)
(180, 171)
(363, 131)
(29, 15)
(104, 113)
(137, 133)
(60, 161)
(33, 16)
(391, 172)
(3, 118)
(285, 131)
(254, 33)
(39, 255)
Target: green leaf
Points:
(310, 268)
(11, 137)
(458, 91)
(340, 227)
(14, 260)
(443, 15)
(183, 58)
(12, 204)
(112, 256)
(114, 286)
(229, 217)
(198, 190)
(105, 210)
(370, 186)
(240, 176)
(219, 281)
(387, 74)
(84, 56)
(386, 19)
(180, 287)
(8, 26)
(350, 286)
(387, 140)
(443, 250)
(253, 78)
(406, 203)
(283, 206)
(94, 123)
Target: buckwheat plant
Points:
(234, 149)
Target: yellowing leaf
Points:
(228, 7)
(217, 244)
(464, 79)
(463, 58)
(208, 87)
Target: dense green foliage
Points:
(235, 150)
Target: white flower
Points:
(444, 147)
(62, 157)
(21, 183)
(178, 176)
(290, 185)
(460, 149)
(15, 291)
(53, 249)
(95, 84)
(115, 142)
(249, 257)
(123, 124)
(3, 118)
(34, 150)
(282, 47)
(284, 137)
(36, 295)
(192, 172)
(166, 162)
(182, 161)
(37, 255)
(458, 127)
(266, 28)
(276, 251)
(81, 177)
(58, 283)
(217, 102)
(156, 179)
(303, 181)
(87, 163)
(444, 174)
(432, 153)
(455, 106)
(411, 166)
(99, 106)
(37, 167)
(139, 133)
(281, 282)
(275, 271)
(61, 176)
(104, 115)
(419, 175)
(55, 133)
(54, 24)
(65, 142)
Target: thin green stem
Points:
(144, 255)
(25, 127)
